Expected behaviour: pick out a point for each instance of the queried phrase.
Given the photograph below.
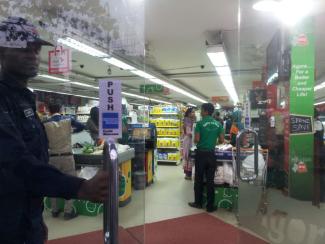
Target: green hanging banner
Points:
(301, 141)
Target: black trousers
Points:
(205, 165)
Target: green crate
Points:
(82, 207)
(223, 197)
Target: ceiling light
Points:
(143, 74)
(267, 6)
(53, 78)
(219, 60)
(118, 63)
(63, 93)
(83, 84)
(81, 47)
(288, 11)
(319, 103)
(192, 105)
(217, 55)
(68, 81)
(320, 86)
(144, 98)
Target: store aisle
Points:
(166, 199)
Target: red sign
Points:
(302, 40)
(59, 61)
(302, 168)
(220, 99)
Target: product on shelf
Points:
(168, 132)
(166, 109)
(163, 122)
(168, 156)
(168, 122)
(168, 142)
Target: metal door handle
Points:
(238, 154)
(111, 206)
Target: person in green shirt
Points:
(208, 133)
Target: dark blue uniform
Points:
(25, 175)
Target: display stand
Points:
(168, 124)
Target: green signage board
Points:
(301, 142)
(152, 89)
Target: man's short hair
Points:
(54, 107)
(208, 107)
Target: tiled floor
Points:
(166, 198)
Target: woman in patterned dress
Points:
(189, 119)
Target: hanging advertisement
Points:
(59, 61)
(301, 141)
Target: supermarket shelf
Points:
(168, 136)
(165, 160)
(169, 162)
(166, 126)
(164, 114)
(168, 148)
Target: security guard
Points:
(25, 175)
(208, 132)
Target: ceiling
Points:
(175, 33)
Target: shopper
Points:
(93, 124)
(25, 175)
(208, 132)
(58, 129)
(233, 133)
(218, 118)
(228, 123)
(189, 118)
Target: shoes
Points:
(56, 214)
(188, 178)
(210, 210)
(72, 215)
(194, 205)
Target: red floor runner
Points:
(95, 237)
(194, 229)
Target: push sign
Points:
(110, 109)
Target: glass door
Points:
(280, 150)
(92, 41)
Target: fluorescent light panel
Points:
(192, 105)
(53, 78)
(289, 12)
(320, 86)
(118, 63)
(68, 81)
(143, 74)
(319, 103)
(106, 58)
(82, 47)
(218, 58)
(63, 93)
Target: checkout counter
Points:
(93, 161)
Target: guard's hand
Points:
(95, 189)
